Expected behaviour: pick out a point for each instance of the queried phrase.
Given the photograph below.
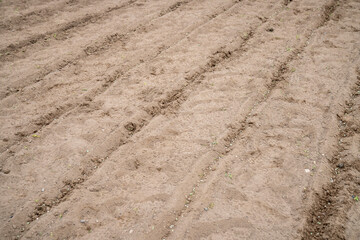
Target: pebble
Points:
(340, 165)
(43, 189)
(131, 231)
(206, 209)
(82, 221)
(6, 171)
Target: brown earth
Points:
(190, 119)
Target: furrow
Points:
(328, 214)
(173, 7)
(23, 8)
(35, 16)
(97, 47)
(121, 135)
(168, 104)
(137, 127)
(6, 53)
(265, 165)
(106, 82)
(214, 119)
(279, 76)
(225, 145)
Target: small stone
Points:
(131, 231)
(43, 189)
(270, 29)
(340, 165)
(206, 209)
(171, 226)
(6, 171)
(82, 221)
(130, 127)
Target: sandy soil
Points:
(190, 119)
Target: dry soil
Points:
(180, 119)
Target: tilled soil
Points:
(192, 119)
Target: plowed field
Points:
(180, 119)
